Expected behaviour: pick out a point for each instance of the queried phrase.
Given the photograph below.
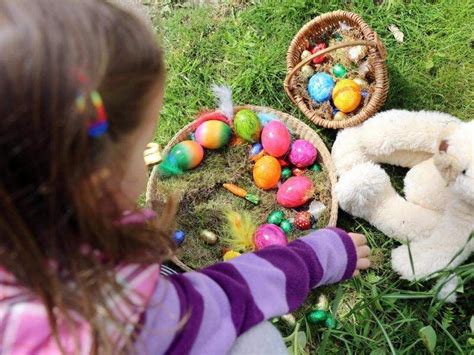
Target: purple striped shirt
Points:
(203, 312)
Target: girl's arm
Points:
(204, 311)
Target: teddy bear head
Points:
(455, 160)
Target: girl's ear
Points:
(447, 164)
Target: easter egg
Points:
(295, 191)
(286, 173)
(255, 149)
(340, 116)
(330, 322)
(315, 167)
(179, 237)
(229, 255)
(361, 82)
(317, 316)
(289, 319)
(317, 48)
(346, 95)
(247, 125)
(212, 116)
(320, 87)
(276, 139)
(208, 237)
(307, 71)
(298, 171)
(303, 153)
(213, 134)
(286, 226)
(187, 154)
(275, 217)
(266, 172)
(339, 70)
(305, 54)
(303, 220)
(269, 234)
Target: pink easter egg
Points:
(303, 153)
(295, 191)
(269, 234)
(276, 139)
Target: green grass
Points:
(244, 44)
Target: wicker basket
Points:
(296, 126)
(376, 53)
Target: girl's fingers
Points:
(363, 251)
(362, 264)
(359, 239)
(356, 273)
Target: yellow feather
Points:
(240, 231)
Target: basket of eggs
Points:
(336, 70)
(244, 180)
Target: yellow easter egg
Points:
(346, 95)
(230, 255)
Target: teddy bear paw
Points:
(362, 188)
(420, 265)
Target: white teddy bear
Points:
(436, 217)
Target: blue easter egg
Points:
(178, 237)
(266, 117)
(256, 148)
(320, 87)
(364, 94)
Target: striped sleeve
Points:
(203, 312)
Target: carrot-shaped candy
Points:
(238, 191)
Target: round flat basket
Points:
(155, 193)
(376, 54)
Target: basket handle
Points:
(375, 43)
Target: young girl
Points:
(81, 86)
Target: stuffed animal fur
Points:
(436, 216)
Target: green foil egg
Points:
(316, 168)
(276, 217)
(286, 173)
(317, 316)
(286, 226)
(330, 321)
(247, 125)
(339, 70)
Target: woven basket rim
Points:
(298, 127)
(376, 53)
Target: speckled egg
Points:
(303, 220)
(269, 234)
(320, 87)
(187, 154)
(247, 125)
(303, 153)
(213, 134)
(346, 95)
(295, 191)
(276, 139)
(266, 172)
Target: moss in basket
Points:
(204, 201)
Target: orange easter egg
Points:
(267, 172)
(346, 95)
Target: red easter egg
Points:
(317, 48)
(303, 220)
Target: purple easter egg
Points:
(303, 153)
(269, 234)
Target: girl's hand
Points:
(363, 252)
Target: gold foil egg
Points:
(208, 237)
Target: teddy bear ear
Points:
(443, 146)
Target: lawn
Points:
(244, 44)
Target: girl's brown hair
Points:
(55, 194)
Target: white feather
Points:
(223, 96)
